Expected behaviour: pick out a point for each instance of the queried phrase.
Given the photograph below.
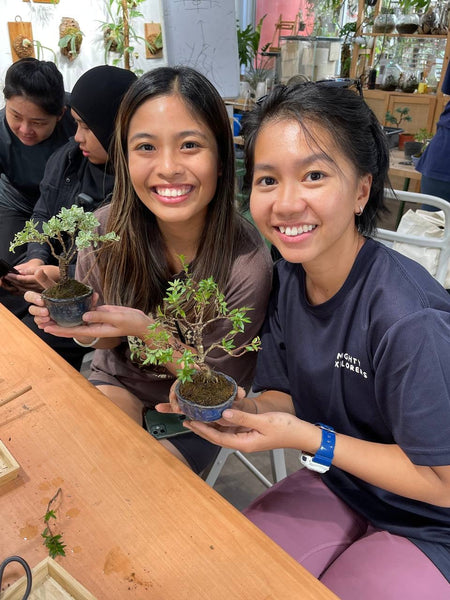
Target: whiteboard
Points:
(202, 34)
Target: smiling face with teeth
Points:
(305, 194)
(173, 163)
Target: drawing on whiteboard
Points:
(202, 34)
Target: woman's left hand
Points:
(106, 321)
(251, 432)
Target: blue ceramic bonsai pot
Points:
(199, 412)
(68, 312)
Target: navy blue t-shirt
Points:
(374, 363)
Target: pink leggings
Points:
(339, 547)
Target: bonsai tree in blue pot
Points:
(66, 233)
(177, 336)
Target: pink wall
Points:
(273, 9)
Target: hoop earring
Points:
(358, 214)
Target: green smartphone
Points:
(164, 425)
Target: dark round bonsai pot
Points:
(199, 412)
(411, 148)
(68, 312)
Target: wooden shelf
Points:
(425, 108)
(424, 36)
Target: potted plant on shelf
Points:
(396, 118)
(251, 58)
(414, 149)
(69, 231)
(177, 336)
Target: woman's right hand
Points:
(37, 307)
(29, 271)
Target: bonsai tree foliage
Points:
(71, 229)
(192, 307)
(403, 115)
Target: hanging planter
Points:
(23, 47)
(70, 38)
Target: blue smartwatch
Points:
(321, 461)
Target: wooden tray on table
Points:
(9, 467)
(50, 582)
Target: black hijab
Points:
(96, 98)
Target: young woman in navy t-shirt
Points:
(354, 369)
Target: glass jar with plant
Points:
(408, 21)
(385, 20)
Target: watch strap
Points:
(321, 461)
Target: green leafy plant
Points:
(188, 310)
(66, 233)
(119, 34)
(156, 44)
(70, 42)
(418, 6)
(347, 32)
(248, 43)
(403, 115)
(24, 48)
(53, 542)
(423, 135)
(251, 56)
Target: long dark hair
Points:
(346, 116)
(135, 271)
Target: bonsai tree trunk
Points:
(63, 269)
(126, 35)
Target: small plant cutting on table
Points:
(177, 336)
(53, 542)
(66, 233)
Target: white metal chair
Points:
(442, 244)
(277, 461)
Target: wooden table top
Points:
(136, 522)
(397, 157)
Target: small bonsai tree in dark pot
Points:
(66, 233)
(177, 336)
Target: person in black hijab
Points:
(78, 173)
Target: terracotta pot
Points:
(404, 137)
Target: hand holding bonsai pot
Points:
(66, 233)
(177, 337)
